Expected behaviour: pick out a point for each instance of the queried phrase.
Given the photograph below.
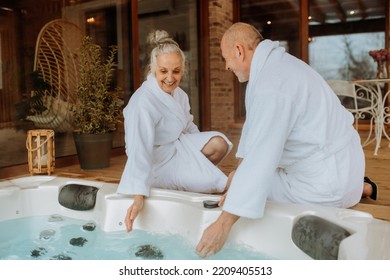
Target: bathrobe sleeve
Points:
(185, 105)
(269, 122)
(191, 127)
(139, 137)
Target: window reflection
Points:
(20, 24)
(101, 26)
(276, 20)
(345, 57)
(178, 18)
(340, 34)
(108, 22)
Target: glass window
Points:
(108, 22)
(21, 23)
(345, 57)
(178, 18)
(276, 20)
(341, 35)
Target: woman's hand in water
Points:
(133, 211)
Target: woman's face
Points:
(169, 71)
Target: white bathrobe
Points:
(163, 145)
(298, 144)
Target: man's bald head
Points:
(244, 34)
(238, 46)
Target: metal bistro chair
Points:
(360, 101)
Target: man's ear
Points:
(239, 51)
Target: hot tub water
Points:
(286, 231)
(63, 238)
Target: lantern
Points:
(40, 147)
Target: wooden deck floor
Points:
(377, 168)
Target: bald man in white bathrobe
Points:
(298, 143)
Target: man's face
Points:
(233, 60)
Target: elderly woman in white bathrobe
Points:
(164, 148)
(298, 144)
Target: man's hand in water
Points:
(214, 237)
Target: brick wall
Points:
(221, 80)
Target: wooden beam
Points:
(135, 44)
(204, 67)
(362, 9)
(304, 30)
(387, 25)
(316, 13)
(339, 10)
(373, 25)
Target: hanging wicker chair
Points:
(57, 62)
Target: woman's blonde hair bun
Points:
(160, 42)
(159, 37)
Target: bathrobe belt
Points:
(323, 153)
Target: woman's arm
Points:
(133, 211)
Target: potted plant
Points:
(97, 109)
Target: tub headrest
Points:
(318, 238)
(78, 197)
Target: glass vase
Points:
(381, 71)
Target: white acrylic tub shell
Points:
(183, 212)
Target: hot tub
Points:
(287, 231)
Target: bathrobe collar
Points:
(262, 53)
(166, 99)
(260, 56)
